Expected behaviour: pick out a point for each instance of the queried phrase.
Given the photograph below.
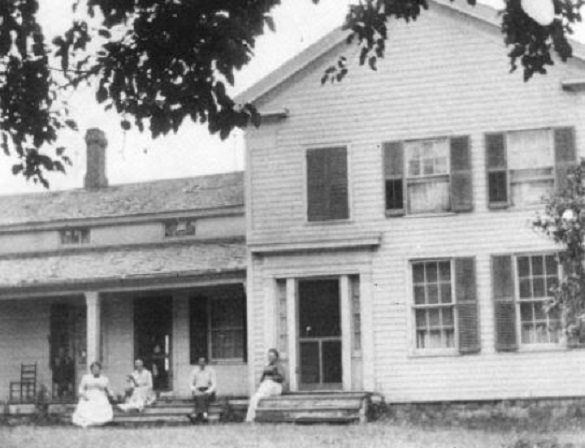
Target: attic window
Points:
(77, 236)
(179, 228)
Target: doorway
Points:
(153, 324)
(320, 346)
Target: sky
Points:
(135, 157)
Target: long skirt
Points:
(94, 411)
(141, 397)
(268, 388)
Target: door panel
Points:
(152, 337)
(320, 334)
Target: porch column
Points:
(93, 313)
(367, 326)
(291, 313)
(346, 333)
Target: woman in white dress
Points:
(94, 408)
(270, 383)
(140, 389)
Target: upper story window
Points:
(525, 166)
(522, 288)
(179, 228)
(428, 176)
(444, 306)
(327, 184)
(75, 236)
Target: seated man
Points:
(139, 392)
(203, 389)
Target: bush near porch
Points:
(375, 435)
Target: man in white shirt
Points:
(203, 389)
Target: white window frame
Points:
(517, 302)
(541, 177)
(420, 179)
(210, 331)
(439, 351)
(84, 236)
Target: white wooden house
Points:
(112, 273)
(388, 216)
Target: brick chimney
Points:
(95, 175)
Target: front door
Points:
(320, 345)
(153, 322)
(67, 348)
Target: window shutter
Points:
(467, 306)
(327, 184)
(497, 170)
(245, 318)
(504, 305)
(565, 155)
(199, 328)
(316, 186)
(394, 178)
(337, 176)
(461, 185)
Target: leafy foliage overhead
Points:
(159, 62)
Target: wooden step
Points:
(326, 420)
(308, 403)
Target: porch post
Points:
(93, 310)
(367, 326)
(346, 333)
(291, 313)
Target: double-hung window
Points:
(523, 167)
(444, 306)
(428, 176)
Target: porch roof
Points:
(123, 264)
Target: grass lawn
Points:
(372, 435)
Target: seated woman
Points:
(270, 383)
(139, 392)
(94, 408)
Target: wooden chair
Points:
(25, 390)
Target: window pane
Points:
(525, 289)
(523, 267)
(226, 312)
(430, 196)
(227, 344)
(419, 295)
(446, 293)
(431, 269)
(449, 338)
(445, 271)
(539, 288)
(434, 318)
(539, 313)
(421, 319)
(551, 265)
(435, 339)
(433, 294)
(529, 149)
(418, 273)
(447, 317)
(531, 192)
(537, 265)
(551, 284)
(526, 313)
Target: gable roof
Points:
(139, 199)
(483, 13)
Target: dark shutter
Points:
(245, 319)
(327, 185)
(504, 304)
(394, 178)
(467, 307)
(497, 171)
(565, 155)
(461, 185)
(198, 328)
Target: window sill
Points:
(329, 222)
(226, 362)
(434, 353)
(430, 215)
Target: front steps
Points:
(299, 408)
(315, 407)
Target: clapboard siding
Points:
(443, 75)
